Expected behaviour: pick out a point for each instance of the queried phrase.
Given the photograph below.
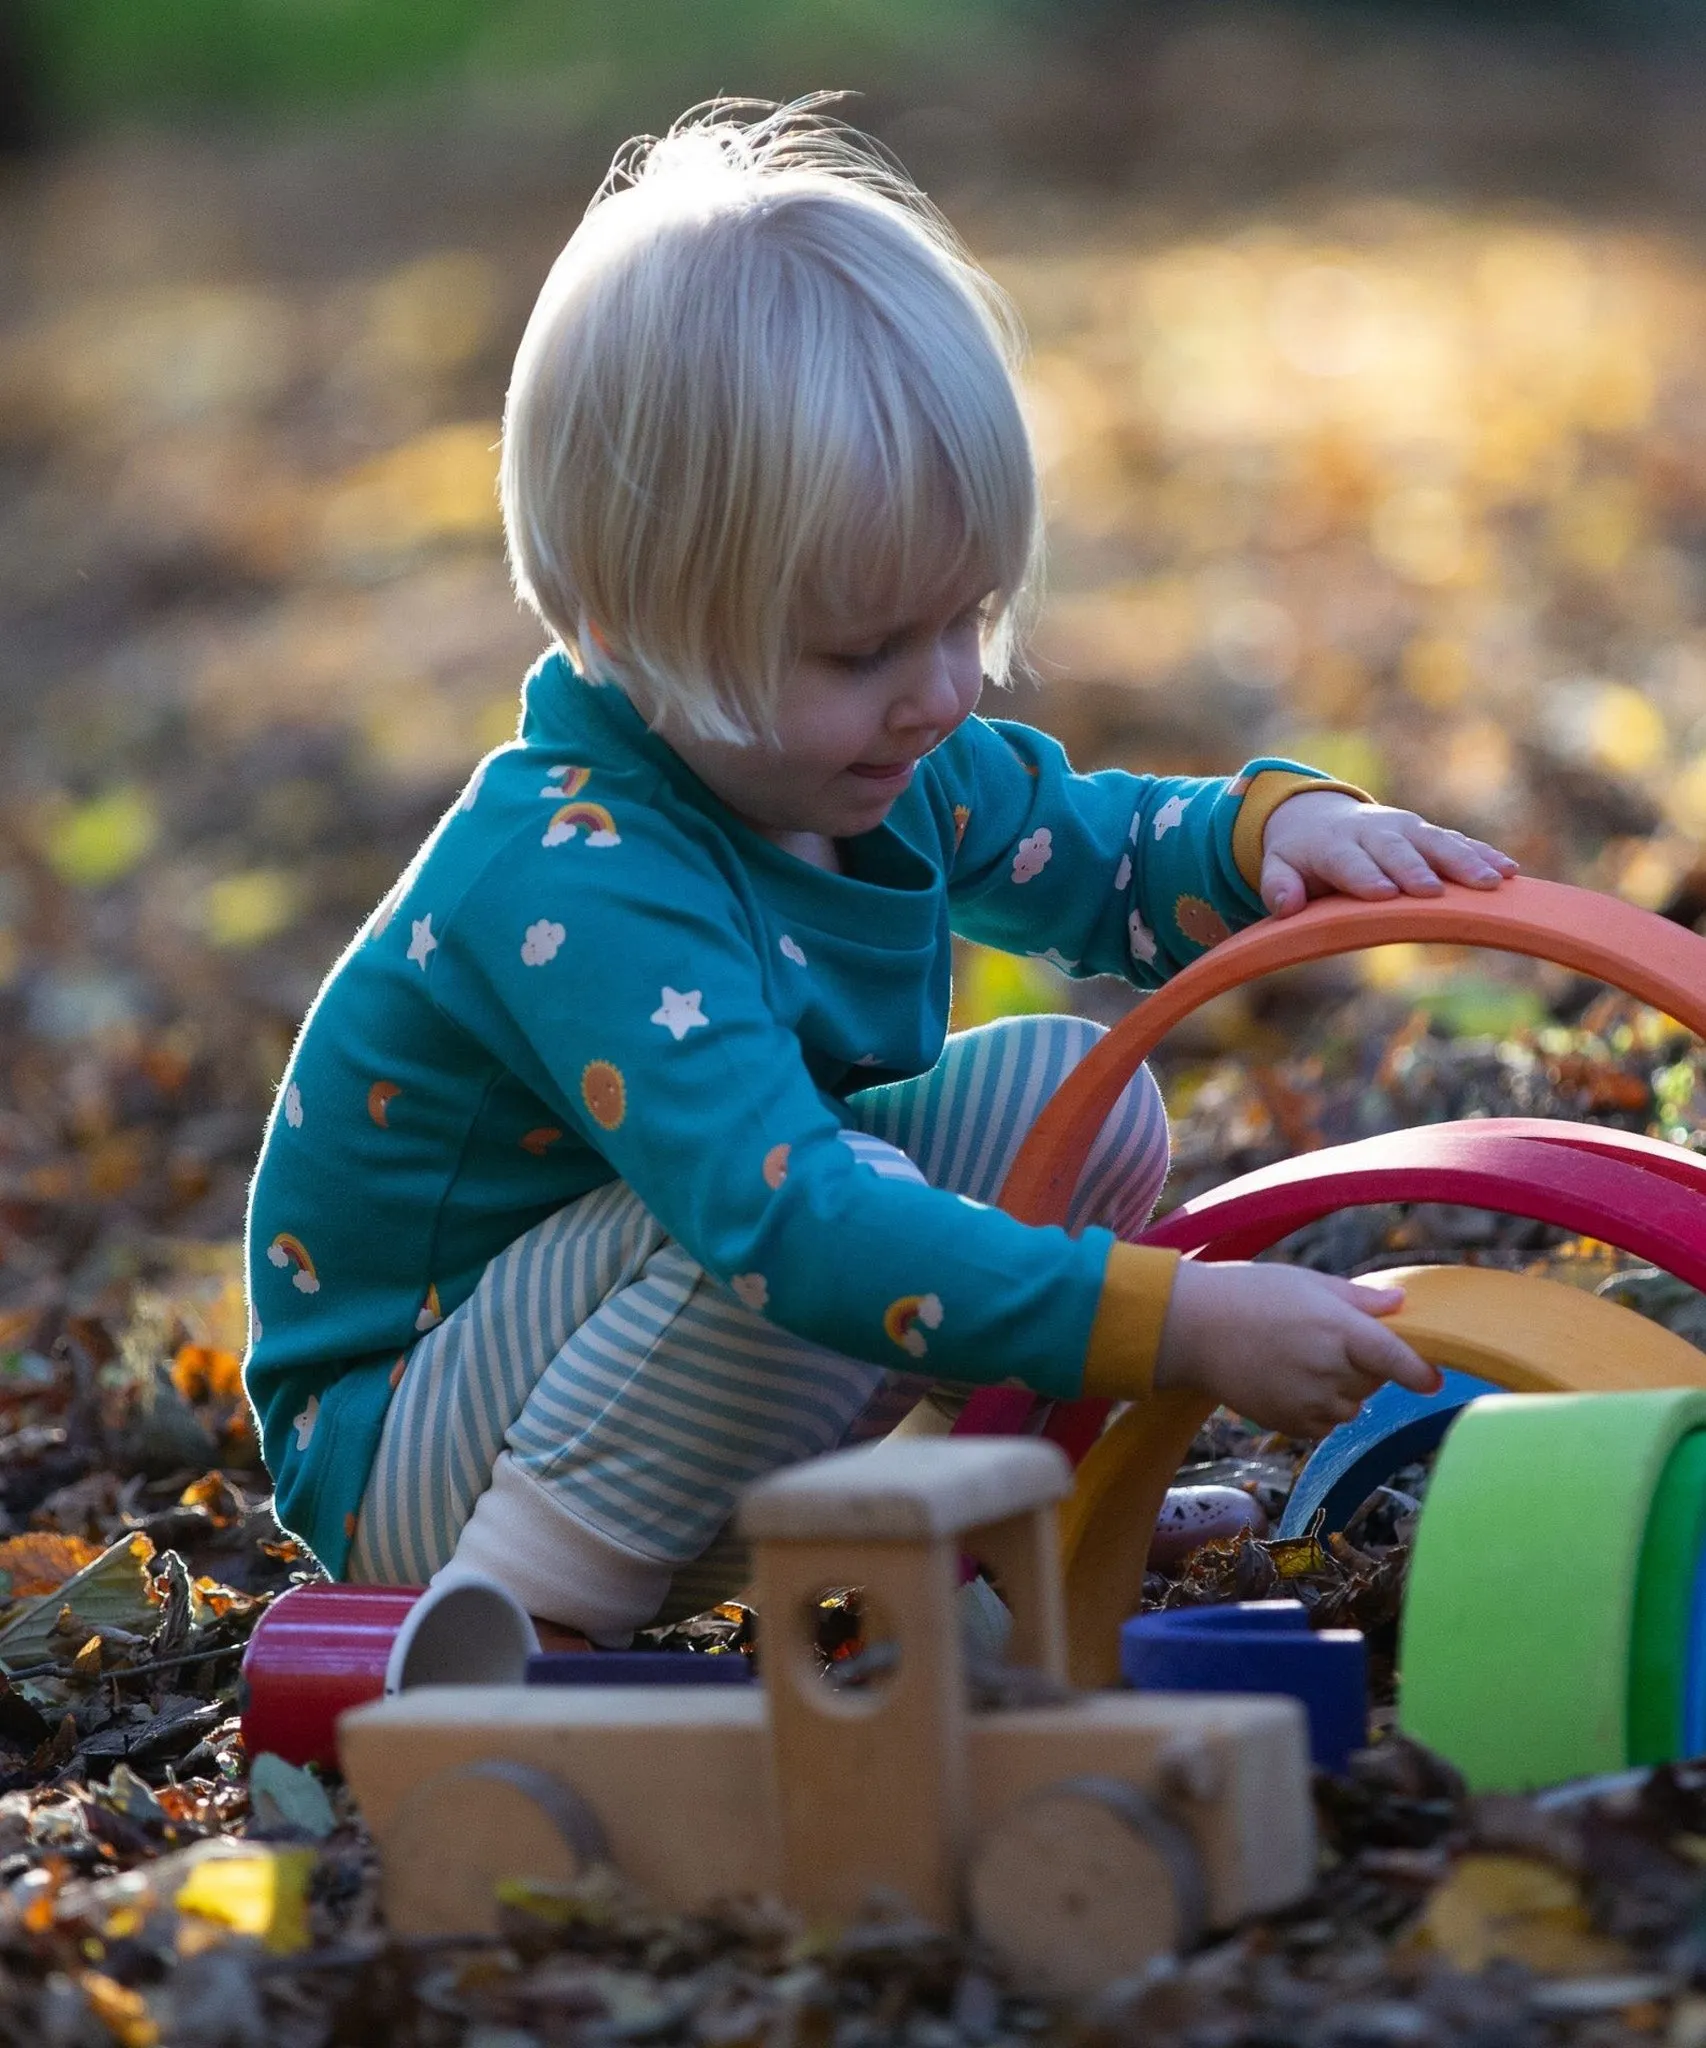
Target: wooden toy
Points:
(321, 1648)
(1664, 1606)
(1124, 1474)
(1594, 1191)
(1525, 1334)
(639, 1667)
(1392, 1429)
(1694, 1692)
(1647, 956)
(1258, 1646)
(1551, 1586)
(1080, 1836)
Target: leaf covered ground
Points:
(1373, 434)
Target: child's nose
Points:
(933, 698)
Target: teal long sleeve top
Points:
(594, 970)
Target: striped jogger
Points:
(640, 1392)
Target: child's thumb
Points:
(1374, 1297)
(1282, 887)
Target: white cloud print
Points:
(1141, 938)
(753, 1289)
(540, 942)
(1171, 814)
(305, 1282)
(1034, 854)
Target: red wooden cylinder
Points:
(323, 1648)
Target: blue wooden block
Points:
(1258, 1646)
(1392, 1429)
(638, 1667)
(1694, 1687)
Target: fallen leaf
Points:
(257, 1891)
(202, 1373)
(39, 1563)
(284, 1795)
(121, 2011)
(115, 1590)
(1516, 1909)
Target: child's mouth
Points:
(897, 773)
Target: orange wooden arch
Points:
(1645, 955)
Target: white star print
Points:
(679, 1013)
(421, 941)
(1171, 813)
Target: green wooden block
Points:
(1519, 1620)
(1664, 1606)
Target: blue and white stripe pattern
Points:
(639, 1390)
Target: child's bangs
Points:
(908, 517)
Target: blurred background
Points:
(1370, 378)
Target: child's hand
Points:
(1324, 843)
(1293, 1350)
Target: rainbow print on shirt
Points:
(286, 1250)
(568, 819)
(572, 817)
(906, 1320)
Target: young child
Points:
(624, 1154)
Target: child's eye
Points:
(867, 661)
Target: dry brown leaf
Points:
(202, 1373)
(41, 1563)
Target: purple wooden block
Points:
(638, 1667)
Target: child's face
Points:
(868, 697)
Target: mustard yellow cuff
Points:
(1136, 1288)
(1263, 795)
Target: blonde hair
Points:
(763, 374)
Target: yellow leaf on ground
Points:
(1516, 1909)
(262, 1892)
(119, 2010)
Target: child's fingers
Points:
(1352, 870)
(1374, 1349)
(1494, 856)
(1465, 860)
(1403, 862)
